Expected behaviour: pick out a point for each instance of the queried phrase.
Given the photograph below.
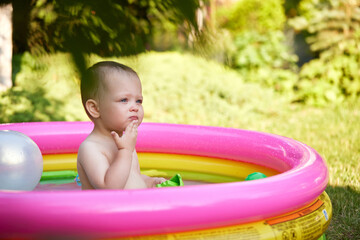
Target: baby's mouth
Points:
(132, 118)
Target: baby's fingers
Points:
(160, 180)
(135, 123)
(116, 138)
(133, 126)
(115, 135)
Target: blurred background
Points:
(286, 67)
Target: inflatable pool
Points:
(289, 204)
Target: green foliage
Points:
(258, 49)
(252, 15)
(281, 80)
(333, 25)
(45, 89)
(106, 27)
(264, 58)
(216, 44)
(255, 50)
(28, 106)
(334, 32)
(329, 81)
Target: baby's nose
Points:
(134, 108)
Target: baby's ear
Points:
(92, 108)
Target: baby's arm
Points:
(100, 173)
(149, 181)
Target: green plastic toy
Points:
(175, 181)
(255, 176)
(323, 237)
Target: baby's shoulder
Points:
(92, 147)
(88, 143)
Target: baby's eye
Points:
(139, 101)
(123, 100)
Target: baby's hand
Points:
(158, 180)
(128, 139)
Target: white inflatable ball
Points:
(21, 162)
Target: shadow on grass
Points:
(20, 105)
(345, 223)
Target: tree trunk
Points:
(5, 46)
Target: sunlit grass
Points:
(335, 133)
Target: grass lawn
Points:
(334, 132)
(185, 89)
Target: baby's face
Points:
(120, 101)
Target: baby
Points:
(112, 97)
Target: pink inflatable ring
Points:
(122, 213)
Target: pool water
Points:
(71, 185)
